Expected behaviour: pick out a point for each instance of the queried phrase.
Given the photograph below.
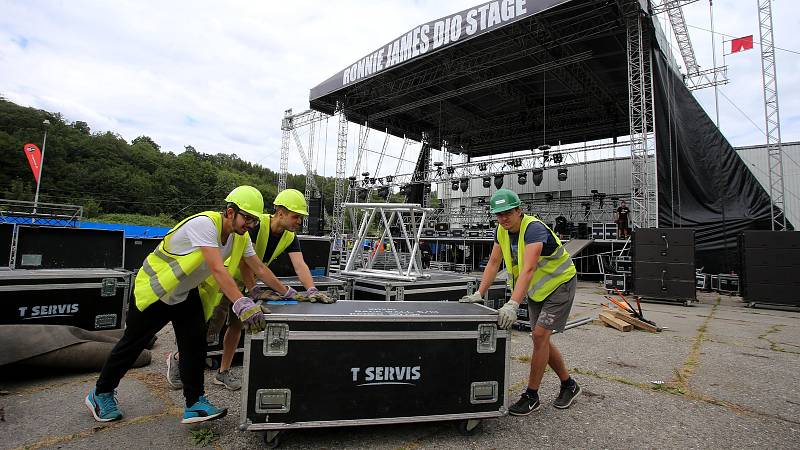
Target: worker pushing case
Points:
(374, 362)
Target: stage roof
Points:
(503, 76)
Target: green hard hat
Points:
(503, 200)
(293, 200)
(248, 199)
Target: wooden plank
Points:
(635, 322)
(614, 322)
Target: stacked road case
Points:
(440, 286)
(92, 299)
(374, 362)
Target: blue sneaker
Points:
(201, 411)
(103, 406)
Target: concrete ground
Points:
(720, 375)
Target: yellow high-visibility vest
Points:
(551, 270)
(162, 270)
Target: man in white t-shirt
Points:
(181, 282)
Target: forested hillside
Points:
(107, 175)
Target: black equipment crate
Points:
(68, 248)
(702, 281)
(136, 250)
(370, 363)
(768, 267)
(6, 241)
(614, 282)
(725, 283)
(334, 287)
(316, 253)
(498, 292)
(92, 299)
(663, 268)
(440, 286)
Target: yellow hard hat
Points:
(293, 200)
(248, 199)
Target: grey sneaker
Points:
(173, 372)
(228, 379)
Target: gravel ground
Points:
(720, 375)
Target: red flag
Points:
(34, 159)
(741, 44)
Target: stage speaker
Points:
(316, 253)
(769, 261)
(316, 216)
(583, 230)
(442, 226)
(663, 264)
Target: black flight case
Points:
(334, 287)
(374, 362)
(440, 286)
(92, 299)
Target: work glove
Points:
(314, 295)
(475, 297)
(507, 315)
(290, 294)
(257, 292)
(251, 315)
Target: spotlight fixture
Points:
(482, 167)
(464, 184)
(352, 181)
(544, 147)
(558, 158)
(522, 179)
(455, 185)
(389, 178)
(487, 181)
(545, 155)
(562, 174)
(498, 181)
(365, 174)
(372, 180)
(450, 170)
(438, 164)
(538, 176)
(548, 197)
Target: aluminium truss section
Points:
(644, 201)
(406, 219)
(339, 187)
(772, 115)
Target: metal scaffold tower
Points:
(644, 201)
(289, 125)
(772, 114)
(695, 78)
(339, 187)
(286, 128)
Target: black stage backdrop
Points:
(702, 182)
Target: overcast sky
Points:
(219, 75)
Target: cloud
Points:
(219, 75)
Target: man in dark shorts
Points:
(541, 271)
(622, 214)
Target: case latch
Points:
(276, 339)
(109, 287)
(273, 401)
(487, 338)
(483, 392)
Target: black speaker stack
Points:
(663, 267)
(316, 216)
(769, 262)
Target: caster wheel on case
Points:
(272, 439)
(468, 427)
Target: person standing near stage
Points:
(541, 272)
(621, 217)
(181, 282)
